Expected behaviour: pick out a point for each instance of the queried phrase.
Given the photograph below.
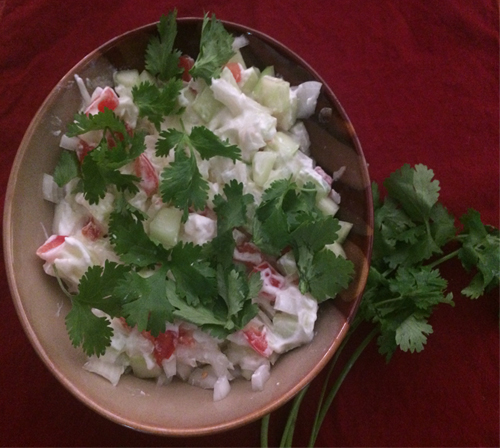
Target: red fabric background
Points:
(419, 80)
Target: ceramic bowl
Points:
(178, 408)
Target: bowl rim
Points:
(8, 243)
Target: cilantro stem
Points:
(443, 259)
(264, 431)
(287, 437)
(333, 392)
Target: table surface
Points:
(419, 81)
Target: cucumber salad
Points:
(193, 234)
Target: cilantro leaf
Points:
(209, 145)
(215, 50)
(67, 168)
(414, 189)
(168, 140)
(155, 102)
(147, 300)
(232, 210)
(194, 277)
(322, 273)
(182, 183)
(105, 120)
(480, 250)
(161, 58)
(130, 241)
(96, 290)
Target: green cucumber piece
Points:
(165, 226)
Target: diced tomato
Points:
(165, 345)
(249, 254)
(235, 70)
(186, 62)
(271, 280)
(257, 340)
(146, 171)
(83, 149)
(53, 242)
(106, 100)
(92, 230)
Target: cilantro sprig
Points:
(181, 181)
(288, 217)
(100, 168)
(413, 235)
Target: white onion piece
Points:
(239, 42)
(51, 191)
(221, 388)
(307, 96)
(260, 376)
(70, 143)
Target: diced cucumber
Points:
(228, 76)
(345, 228)
(327, 205)
(284, 144)
(205, 105)
(140, 368)
(262, 165)
(249, 79)
(165, 226)
(337, 249)
(268, 71)
(238, 58)
(286, 264)
(146, 76)
(306, 175)
(127, 78)
(274, 93)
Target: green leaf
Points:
(130, 241)
(105, 120)
(168, 140)
(414, 189)
(155, 102)
(323, 273)
(148, 304)
(161, 59)
(481, 251)
(210, 145)
(232, 210)
(182, 184)
(215, 50)
(67, 168)
(411, 335)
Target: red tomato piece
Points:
(271, 280)
(186, 62)
(51, 243)
(249, 254)
(257, 340)
(164, 345)
(146, 171)
(83, 149)
(235, 70)
(107, 99)
(92, 230)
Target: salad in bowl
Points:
(207, 223)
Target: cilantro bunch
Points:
(413, 235)
(157, 99)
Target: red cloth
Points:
(419, 80)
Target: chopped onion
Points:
(307, 96)
(111, 371)
(239, 42)
(221, 388)
(260, 376)
(70, 143)
(51, 191)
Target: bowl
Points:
(177, 409)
